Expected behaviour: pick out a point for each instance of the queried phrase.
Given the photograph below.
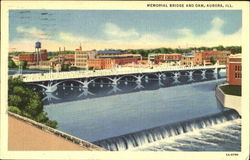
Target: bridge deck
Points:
(110, 72)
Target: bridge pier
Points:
(114, 89)
(160, 75)
(139, 78)
(216, 70)
(176, 76)
(49, 88)
(203, 74)
(139, 86)
(85, 83)
(190, 75)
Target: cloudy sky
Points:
(96, 29)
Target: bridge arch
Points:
(197, 72)
(209, 71)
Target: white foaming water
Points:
(219, 137)
(144, 137)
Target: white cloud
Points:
(185, 32)
(124, 39)
(113, 30)
(32, 32)
(212, 37)
(217, 23)
(69, 37)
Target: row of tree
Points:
(145, 52)
(24, 101)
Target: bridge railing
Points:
(107, 72)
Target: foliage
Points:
(212, 60)
(65, 67)
(232, 90)
(11, 63)
(15, 110)
(73, 68)
(26, 102)
(21, 52)
(145, 52)
(23, 64)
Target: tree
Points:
(65, 67)
(23, 64)
(212, 60)
(11, 63)
(26, 102)
(220, 48)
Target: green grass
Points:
(231, 90)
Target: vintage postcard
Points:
(125, 80)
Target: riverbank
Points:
(228, 101)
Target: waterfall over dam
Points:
(143, 137)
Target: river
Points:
(151, 115)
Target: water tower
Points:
(37, 50)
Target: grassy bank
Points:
(231, 90)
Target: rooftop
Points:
(235, 56)
(109, 52)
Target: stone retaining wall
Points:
(229, 101)
(56, 132)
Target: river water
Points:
(158, 115)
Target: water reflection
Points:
(73, 90)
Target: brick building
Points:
(234, 68)
(109, 59)
(160, 58)
(33, 58)
(198, 59)
(205, 57)
(125, 60)
(101, 63)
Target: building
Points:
(67, 58)
(187, 60)
(210, 57)
(33, 58)
(120, 58)
(43, 51)
(101, 63)
(80, 58)
(107, 53)
(198, 60)
(91, 54)
(161, 58)
(234, 68)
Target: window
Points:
(236, 68)
(236, 75)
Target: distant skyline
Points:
(123, 29)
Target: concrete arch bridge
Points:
(50, 81)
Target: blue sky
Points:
(100, 29)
